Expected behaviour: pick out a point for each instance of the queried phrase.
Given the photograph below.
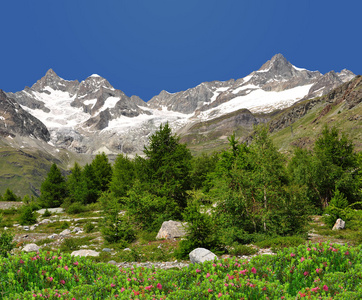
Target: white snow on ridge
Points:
(259, 101)
(88, 102)
(245, 87)
(299, 69)
(110, 103)
(61, 114)
(94, 75)
(216, 93)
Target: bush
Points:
(336, 209)
(6, 243)
(27, 216)
(47, 213)
(117, 228)
(279, 243)
(10, 196)
(65, 225)
(238, 249)
(88, 227)
(75, 208)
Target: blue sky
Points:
(145, 46)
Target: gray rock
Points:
(340, 224)
(107, 250)
(32, 227)
(31, 248)
(200, 255)
(126, 249)
(171, 229)
(5, 228)
(53, 236)
(77, 229)
(26, 227)
(45, 221)
(65, 232)
(112, 262)
(82, 253)
(51, 210)
(79, 232)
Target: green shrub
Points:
(10, 196)
(69, 245)
(88, 227)
(65, 225)
(75, 208)
(281, 242)
(27, 216)
(337, 209)
(6, 243)
(47, 213)
(117, 228)
(238, 249)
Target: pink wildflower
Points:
(209, 290)
(59, 257)
(346, 253)
(34, 295)
(318, 270)
(113, 285)
(50, 279)
(214, 265)
(159, 286)
(207, 275)
(149, 287)
(308, 249)
(292, 254)
(305, 273)
(62, 281)
(198, 271)
(253, 270)
(302, 259)
(226, 284)
(122, 290)
(21, 261)
(76, 263)
(314, 289)
(325, 288)
(66, 268)
(219, 295)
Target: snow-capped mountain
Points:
(92, 116)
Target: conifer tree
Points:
(53, 189)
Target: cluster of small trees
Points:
(252, 189)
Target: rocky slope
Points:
(92, 116)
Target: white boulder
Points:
(200, 255)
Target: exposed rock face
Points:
(92, 116)
(171, 229)
(14, 120)
(340, 224)
(31, 248)
(350, 92)
(82, 253)
(200, 255)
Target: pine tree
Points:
(76, 184)
(168, 166)
(123, 176)
(53, 189)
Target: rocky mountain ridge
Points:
(92, 116)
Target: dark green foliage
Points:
(202, 166)
(253, 193)
(76, 185)
(27, 216)
(46, 214)
(116, 226)
(336, 209)
(6, 242)
(168, 167)
(123, 176)
(10, 196)
(147, 210)
(102, 172)
(88, 227)
(279, 243)
(238, 249)
(91, 192)
(200, 230)
(53, 189)
(75, 208)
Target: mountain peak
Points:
(50, 73)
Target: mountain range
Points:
(71, 120)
